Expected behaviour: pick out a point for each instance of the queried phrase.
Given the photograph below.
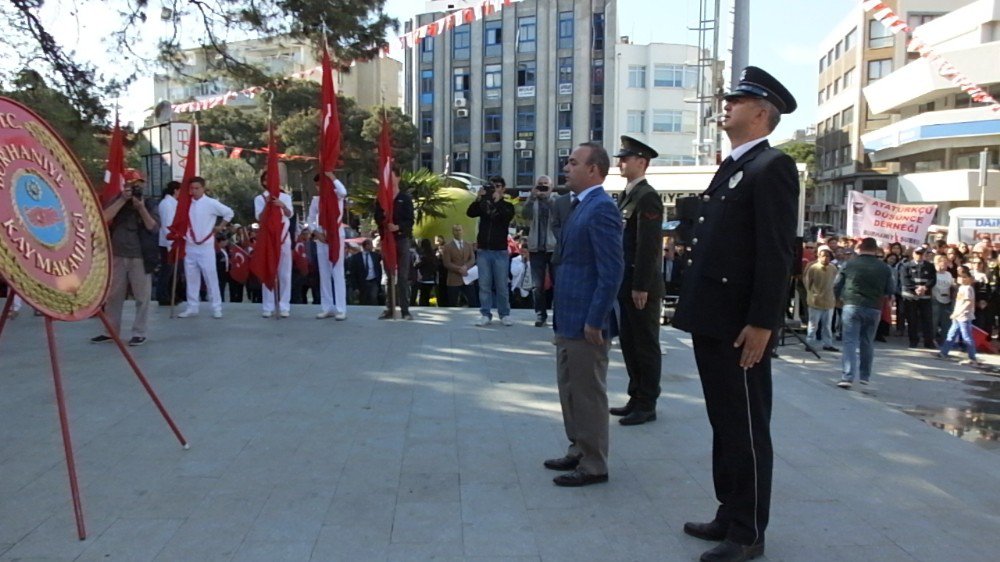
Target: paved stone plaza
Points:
(373, 440)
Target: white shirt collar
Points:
(583, 194)
(633, 183)
(742, 149)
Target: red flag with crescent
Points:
(239, 264)
(182, 219)
(386, 195)
(267, 249)
(115, 167)
(329, 155)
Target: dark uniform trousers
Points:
(739, 408)
(639, 333)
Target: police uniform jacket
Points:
(642, 239)
(742, 247)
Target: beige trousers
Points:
(582, 373)
(125, 273)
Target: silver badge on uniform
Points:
(735, 180)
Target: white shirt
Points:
(742, 149)
(167, 209)
(204, 214)
(258, 210)
(313, 218)
(583, 194)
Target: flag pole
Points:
(281, 244)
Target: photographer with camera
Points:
(541, 243)
(132, 220)
(492, 259)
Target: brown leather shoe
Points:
(577, 478)
(714, 530)
(729, 551)
(564, 463)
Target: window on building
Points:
(566, 70)
(525, 170)
(525, 119)
(492, 124)
(597, 122)
(875, 188)
(493, 76)
(879, 68)
(598, 31)
(493, 38)
(426, 87)
(561, 162)
(829, 57)
(597, 78)
(526, 73)
(491, 164)
(463, 80)
(565, 30)
(666, 121)
(822, 63)
(426, 49)
(847, 116)
(427, 125)
(462, 43)
(836, 121)
(635, 121)
(829, 88)
(916, 20)
(564, 118)
(848, 78)
(668, 76)
(819, 98)
(636, 76)
(427, 160)
(850, 39)
(836, 86)
(526, 30)
(460, 130)
(878, 35)
(460, 162)
(845, 155)
(673, 160)
(927, 166)
(838, 50)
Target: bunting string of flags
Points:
(887, 17)
(237, 151)
(453, 20)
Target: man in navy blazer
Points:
(590, 273)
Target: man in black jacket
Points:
(401, 229)
(492, 259)
(365, 269)
(642, 287)
(732, 301)
(917, 278)
(135, 252)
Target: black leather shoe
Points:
(728, 551)
(714, 530)
(577, 478)
(564, 463)
(830, 348)
(638, 417)
(623, 411)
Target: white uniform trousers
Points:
(331, 279)
(284, 283)
(199, 265)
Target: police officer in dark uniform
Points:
(732, 300)
(642, 287)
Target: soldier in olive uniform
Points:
(732, 298)
(641, 291)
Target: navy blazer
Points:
(742, 247)
(590, 268)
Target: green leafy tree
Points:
(30, 89)
(232, 181)
(803, 153)
(404, 135)
(355, 30)
(425, 187)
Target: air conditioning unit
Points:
(461, 113)
(460, 102)
(520, 144)
(527, 154)
(563, 153)
(461, 156)
(565, 106)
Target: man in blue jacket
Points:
(590, 273)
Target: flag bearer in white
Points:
(331, 275)
(284, 203)
(199, 258)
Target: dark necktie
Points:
(576, 201)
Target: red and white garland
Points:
(453, 20)
(223, 99)
(237, 151)
(884, 15)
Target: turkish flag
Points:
(182, 219)
(329, 155)
(239, 264)
(267, 249)
(113, 170)
(300, 258)
(386, 196)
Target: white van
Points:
(966, 224)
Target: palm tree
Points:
(425, 187)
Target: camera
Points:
(488, 189)
(543, 188)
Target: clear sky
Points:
(784, 38)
